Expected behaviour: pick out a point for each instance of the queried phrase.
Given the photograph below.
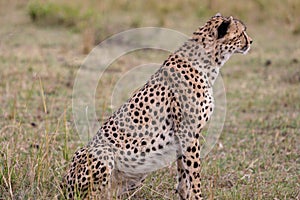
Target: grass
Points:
(51, 13)
(257, 156)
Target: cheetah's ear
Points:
(222, 29)
(218, 15)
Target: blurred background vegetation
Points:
(99, 19)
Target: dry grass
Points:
(257, 156)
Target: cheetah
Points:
(161, 121)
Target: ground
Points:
(257, 155)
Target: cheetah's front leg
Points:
(188, 166)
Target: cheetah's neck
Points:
(203, 59)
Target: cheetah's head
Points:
(224, 36)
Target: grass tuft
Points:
(60, 14)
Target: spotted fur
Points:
(161, 121)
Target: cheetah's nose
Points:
(250, 40)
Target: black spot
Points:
(193, 149)
(33, 124)
(103, 169)
(189, 163)
(196, 164)
(268, 62)
(188, 149)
